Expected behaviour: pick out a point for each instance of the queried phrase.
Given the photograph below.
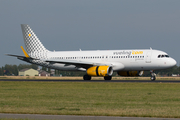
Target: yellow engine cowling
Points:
(130, 73)
(100, 71)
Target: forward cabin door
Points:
(148, 56)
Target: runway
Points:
(73, 117)
(119, 81)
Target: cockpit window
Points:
(162, 56)
(166, 55)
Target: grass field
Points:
(89, 98)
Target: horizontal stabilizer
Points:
(21, 57)
(15, 55)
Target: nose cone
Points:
(173, 62)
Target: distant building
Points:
(175, 75)
(43, 73)
(52, 72)
(28, 72)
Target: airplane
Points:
(95, 63)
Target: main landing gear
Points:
(107, 77)
(87, 77)
(153, 75)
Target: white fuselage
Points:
(120, 60)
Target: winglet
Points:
(25, 53)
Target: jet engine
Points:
(100, 71)
(130, 73)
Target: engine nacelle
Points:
(100, 71)
(130, 73)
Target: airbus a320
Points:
(94, 63)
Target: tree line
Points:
(14, 69)
(10, 70)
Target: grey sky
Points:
(91, 25)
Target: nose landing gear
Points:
(153, 75)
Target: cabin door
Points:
(148, 57)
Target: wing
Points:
(83, 64)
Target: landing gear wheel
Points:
(87, 77)
(107, 77)
(153, 78)
(153, 75)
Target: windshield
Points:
(163, 56)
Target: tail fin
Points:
(32, 43)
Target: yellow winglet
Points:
(25, 53)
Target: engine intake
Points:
(130, 73)
(100, 71)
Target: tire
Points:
(153, 78)
(87, 77)
(108, 78)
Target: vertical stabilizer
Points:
(31, 41)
